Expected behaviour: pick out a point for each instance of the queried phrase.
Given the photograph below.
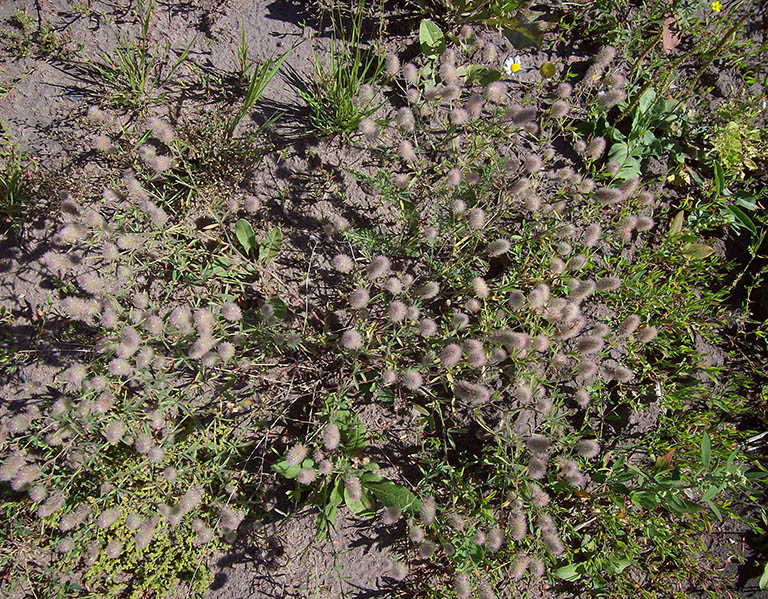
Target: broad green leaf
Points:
(676, 224)
(393, 495)
(279, 310)
(271, 245)
(353, 432)
(648, 140)
(431, 39)
(630, 169)
(618, 152)
(706, 450)
(337, 494)
(385, 395)
(371, 477)
(476, 73)
(245, 236)
(745, 200)
(763, 582)
(621, 564)
(286, 470)
(364, 507)
(569, 572)
(697, 250)
(520, 33)
(646, 100)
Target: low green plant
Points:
(333, 98)
(136, 71)
(508, 15)
(735, 141)
(332, 472)
(259, 80)
(26, 39)
(15, 185)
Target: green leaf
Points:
(569, 572)
(719, 178)
(676, 224)
(630, 169)
(279, 309)
(745, 200)
(364, 507)
(697, 250)
(476, 73)
(385, 395)
(393, 495)
(715, 509)
(353, 432)
(742, 217)
(646, 100)
(629, 162)
(371, 477)
(621, 564)
(431, 39)
(520, 33)
(271, 245)
(763, 582)
(706, 450)
(337, 494)
(618, 152)
(682, 506)
(286, 470)
(245, 236)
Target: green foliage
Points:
(259, 80)
(268, 249)
(431, 39)
(136, 71)
(333, 96)
(475, 239)
(173, 557)
(330, 489)
(736, 143)
(654, 131)
(15, 187)
(26, 39)
(508, 15)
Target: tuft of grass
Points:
(15, 191)
(135, 72)
(333, 96)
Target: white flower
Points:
(512, 65)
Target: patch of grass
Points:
(135, 72)
(333, 97)
(26, 38)
(15, 187)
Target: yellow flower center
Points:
(515, 67)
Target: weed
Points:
(136, 71)
(27, 39)
(336, 99)
(15, 187)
